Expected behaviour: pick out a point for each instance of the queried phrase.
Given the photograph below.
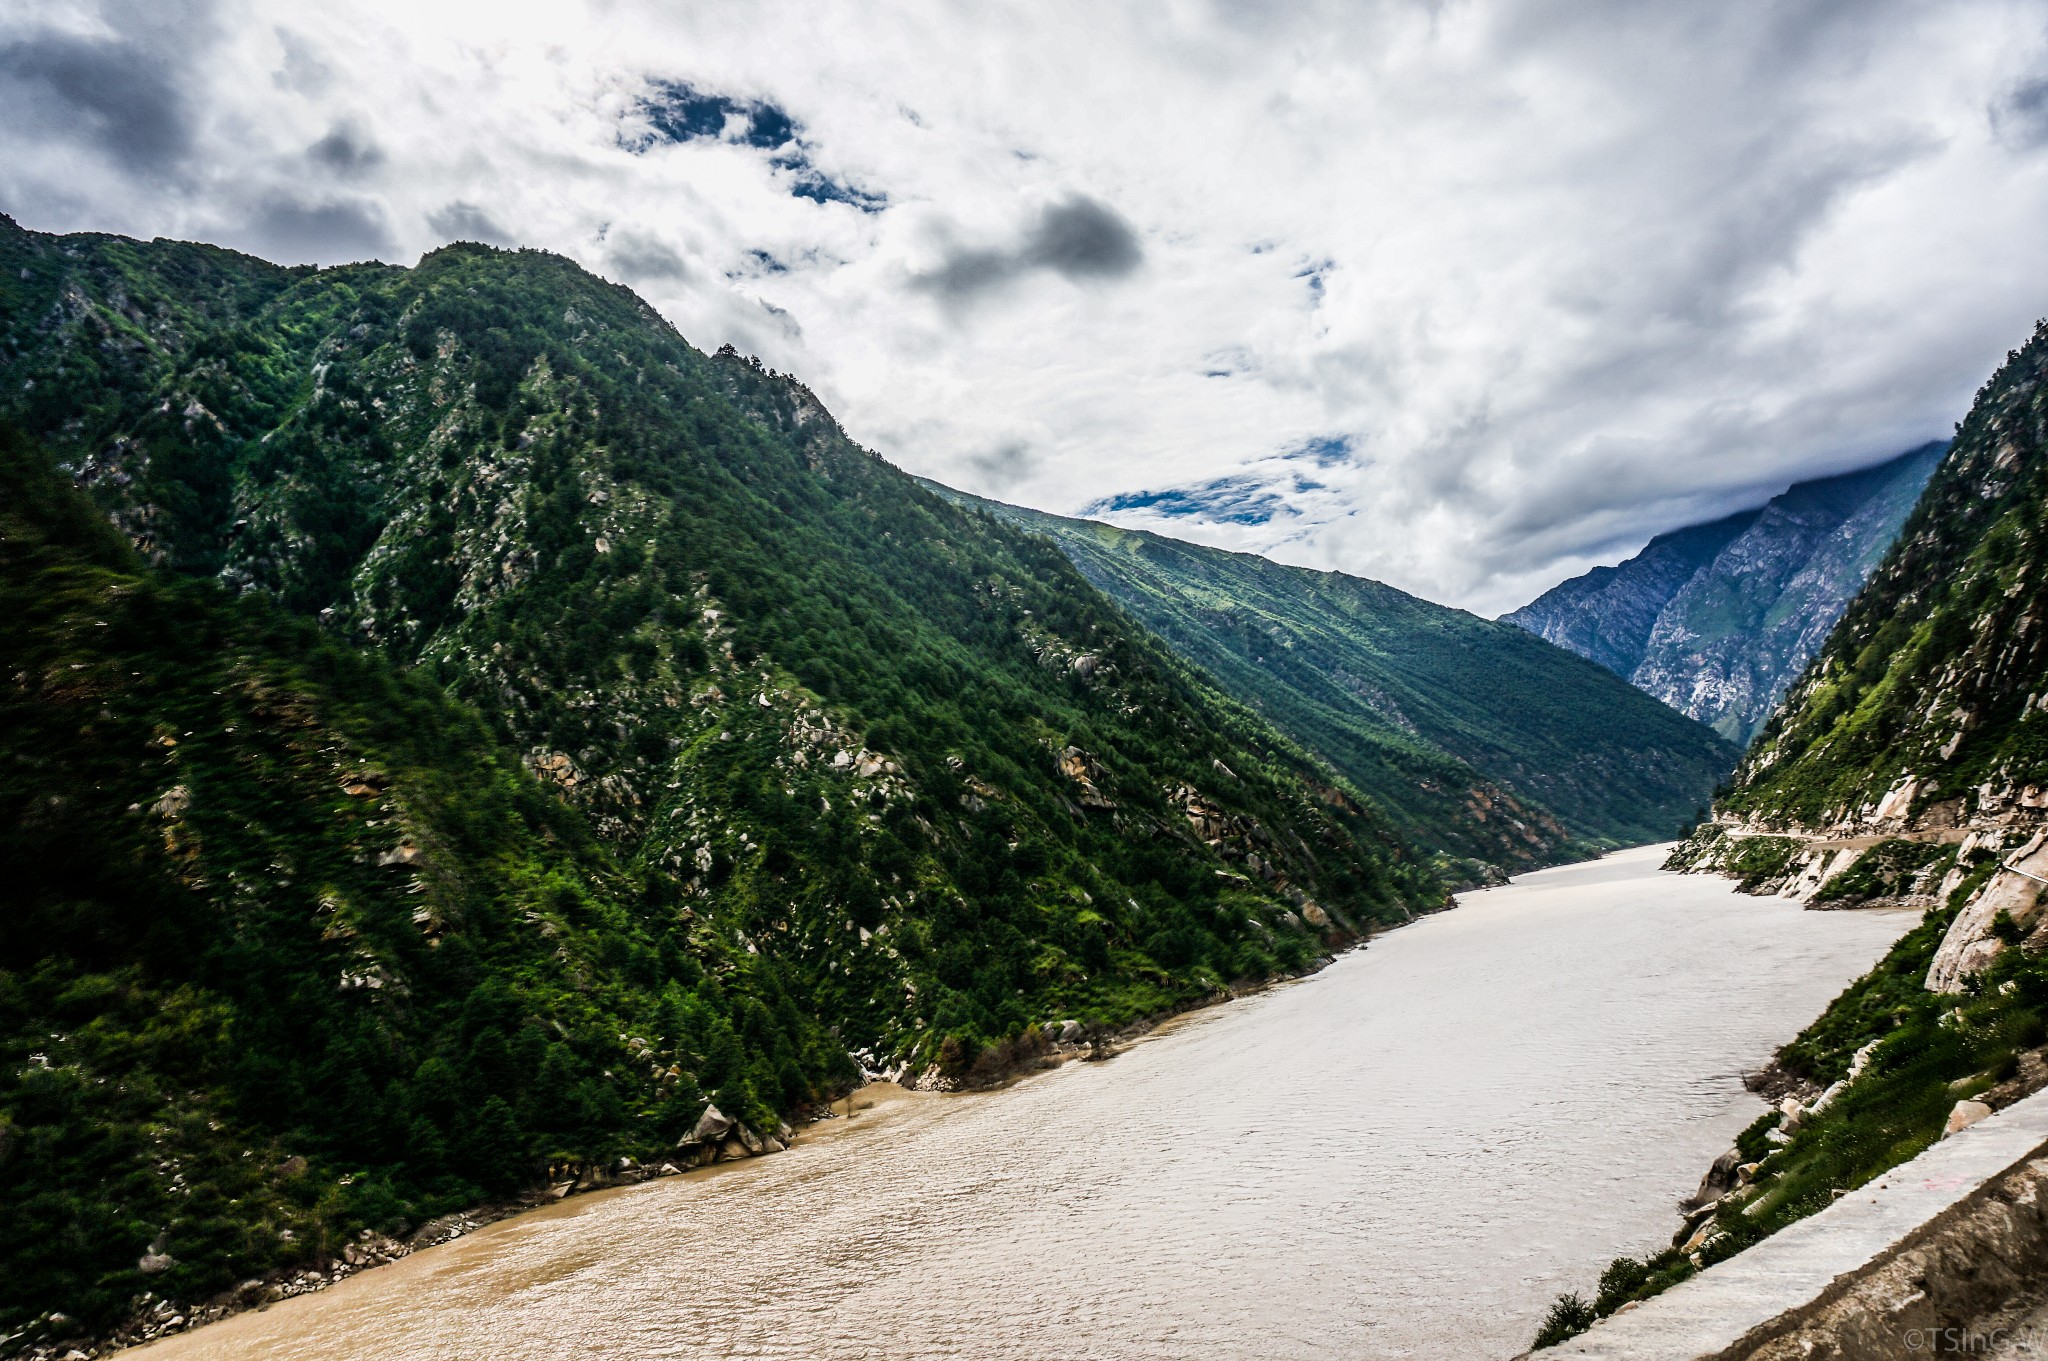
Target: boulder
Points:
(1966, 1114)
(771, 1145)
(733, 1149)
(711, 1127)
(440, 1230)
(1071, 1032)
(1720, 1178)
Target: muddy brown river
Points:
(1407, 1155)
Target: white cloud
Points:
(1563, 276)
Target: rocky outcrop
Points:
(2006, 911)
(718, 1138)
(1717, 619)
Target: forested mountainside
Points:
(1908, 765)
(279, 917)
(1717, 619)
(509, 700)
(1478, 739)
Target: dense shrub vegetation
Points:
(497, 728)
(292, 948)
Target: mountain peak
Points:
(1717, 619)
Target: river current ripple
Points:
(1407, 1155)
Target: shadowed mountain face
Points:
(1717, 619)
(1481, 741)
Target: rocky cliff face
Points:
(1716, 620)
(1608, 614)
(1920, 721)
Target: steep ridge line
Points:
(1908, 765)
(1716, 620)
(1498, 749)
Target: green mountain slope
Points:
(1909, 764)
(291, 947)
(901, 756)
(1482, 741)
(1929, 685)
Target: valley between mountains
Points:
(461, 744)
(456, 732)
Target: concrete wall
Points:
(1939, 1243)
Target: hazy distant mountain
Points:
(1717, 619)
(1478, 740)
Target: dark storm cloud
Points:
(1001, 467)
(638, 259)
(1079, 239)
(329, 232)
(461, 221)
(2021, 118)
(125, 98)
(1082, 239)
(346, 150)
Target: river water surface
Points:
(1407, 1155)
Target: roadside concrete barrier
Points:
(1892, 1270)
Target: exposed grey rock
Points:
(711, 1126)
(1720, 1179)
(1607, 614)
(1718, 619)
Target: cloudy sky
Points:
(1463, 296)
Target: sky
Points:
(1466, 297)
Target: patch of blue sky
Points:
(1325, 451)
(1240, 499)
(678, 112)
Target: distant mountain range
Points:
(1718, 619)
(1479, 741)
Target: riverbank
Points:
(1406, 1154)
(728, 1146)
(1936, 1257)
